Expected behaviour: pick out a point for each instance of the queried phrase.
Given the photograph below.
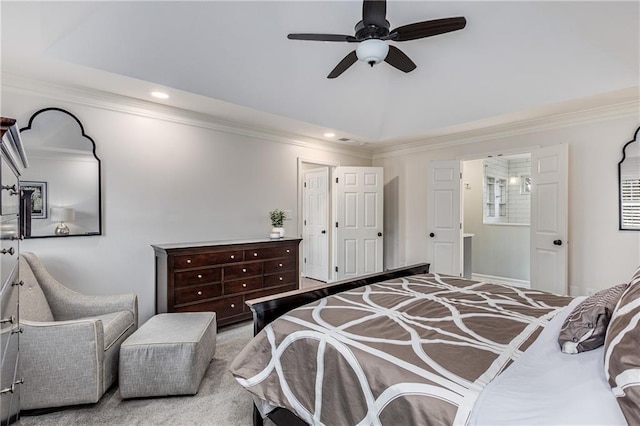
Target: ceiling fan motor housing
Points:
(372, 51)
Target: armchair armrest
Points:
(61, 362)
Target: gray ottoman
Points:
(168, 355)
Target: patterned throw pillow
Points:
(585, 328)
(622, 352)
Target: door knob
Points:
(379, 234)
(557, 242)
(432, 235)
(324, 231)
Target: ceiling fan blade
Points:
(396, 58)
(345, 63)
(374, 12)
(322, 37)
(427, 28)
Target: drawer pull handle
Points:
(255, 254)
(288, 250)
(244, 269)
(11, 251)
(280, 278)
(9, 320)
(244, 284)
(199, 293)
(17, 331)
(199, 275)
(280, 265)
(11, 188)
(233, 256)
(12, 388)
(188, 260)
(20, 283)
(233, 305)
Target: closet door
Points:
(359, 221)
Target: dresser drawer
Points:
(206, 259)
(270, 252)
(243, 270)
(224, 307)
(201, 292)
(280, 279)
(9, 199)
(201, 276)
(9, 402)
(280, 265)
(241, 286)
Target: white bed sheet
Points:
(547, 387)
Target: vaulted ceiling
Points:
(233, 60)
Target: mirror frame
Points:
(93, 143)
(624, 156)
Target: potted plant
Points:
(277, 217)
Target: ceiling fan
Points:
(372, 34)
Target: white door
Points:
(315, 237)
(443, 217)
(359, 221)
(549, 227)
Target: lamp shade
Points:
(372, 51)
(62, 214)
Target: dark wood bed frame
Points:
(267, 309)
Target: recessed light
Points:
(160, 95)
(329, 135)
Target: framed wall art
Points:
(39, 202)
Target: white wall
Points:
(599, 254)
(166, 182)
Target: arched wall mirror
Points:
(629, 185)
(61, 188)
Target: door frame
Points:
(481, 155)
(300, 170)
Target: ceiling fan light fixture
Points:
(372, 51)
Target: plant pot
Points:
(277, 230)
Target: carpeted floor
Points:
(220, 400)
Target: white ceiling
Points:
(233, 60)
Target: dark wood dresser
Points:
(219, 276)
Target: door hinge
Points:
(336, 180)
(336, 224)
(336, 269)
(460, 175)
(460, 225)
(305, 222)
(305, 184)
(305, 260)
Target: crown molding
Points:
(128, 105)
(613, 111)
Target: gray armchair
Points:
(70, 344)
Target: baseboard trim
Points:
(501, 280)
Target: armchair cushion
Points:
(33, 304)
(115, 325)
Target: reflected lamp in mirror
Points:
(64, 157)
(629, 185)
(63, 215)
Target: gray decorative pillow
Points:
(621, 353)
(586, 326)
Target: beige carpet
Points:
(220, 400)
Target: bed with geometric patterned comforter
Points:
(414, 350)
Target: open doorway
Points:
(496, 194)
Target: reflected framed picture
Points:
(39, 204)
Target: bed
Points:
(409, 347)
